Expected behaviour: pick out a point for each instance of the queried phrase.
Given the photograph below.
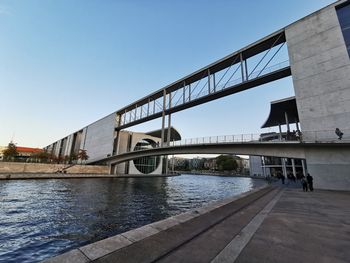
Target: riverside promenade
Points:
(269, 224)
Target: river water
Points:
(43, 218)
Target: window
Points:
(343, 12)
(146, 165)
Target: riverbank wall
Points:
(220, 174)
(45, 168)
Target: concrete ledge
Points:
(24, 176)
(75, 256)
(106, 246)
(140, 233)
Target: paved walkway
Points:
(271, 225)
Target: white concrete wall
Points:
(69, 145)
(122, 148)
(321, 72)
(320, 67)
(330, 169)
(99, 138)
(57, 147)
(255, 165)
(83, 138)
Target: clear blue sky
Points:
(65, 64)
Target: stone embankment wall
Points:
(22, 168)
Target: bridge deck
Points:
(277, 149)
(269, 225)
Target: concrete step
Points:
(196, 240)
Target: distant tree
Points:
(57, 159)
(226, 163)
(73, 158)
(10, 152)
(82, 155)
(66, 159)
(42, 157)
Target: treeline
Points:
(11, 154)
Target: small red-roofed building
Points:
(27, 151)
(23, 152)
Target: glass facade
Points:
(343, 12)
(146, 165)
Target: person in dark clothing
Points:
(310, 179)
(339, 133)
(283, 178)
(304, 183)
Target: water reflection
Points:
(43, 218)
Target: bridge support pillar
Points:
(287, 122)
(303, 164)
(280, 130)
(284, 168)
(329, 167)
(163, 119)
(293, 167)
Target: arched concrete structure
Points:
(323, 153)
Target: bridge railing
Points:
(327, 136)
(257, 73)
(218, 139)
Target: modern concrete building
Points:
(100, 140)
(283, 114)
(319, 48)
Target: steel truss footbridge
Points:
(224, 77)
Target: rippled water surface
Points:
(43, 218)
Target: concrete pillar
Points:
(169, 123)
(163, 119)
(287, 121)
(293, 167)
(304, 166)
(280, 130)
(284, 168)
(118, 122)
(263, 166)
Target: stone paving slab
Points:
(303, 227)
(206, 246)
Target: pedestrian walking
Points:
(304, 183)
(310, 179)
(283, 178)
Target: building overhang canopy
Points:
(279, 110)
(174, 134)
